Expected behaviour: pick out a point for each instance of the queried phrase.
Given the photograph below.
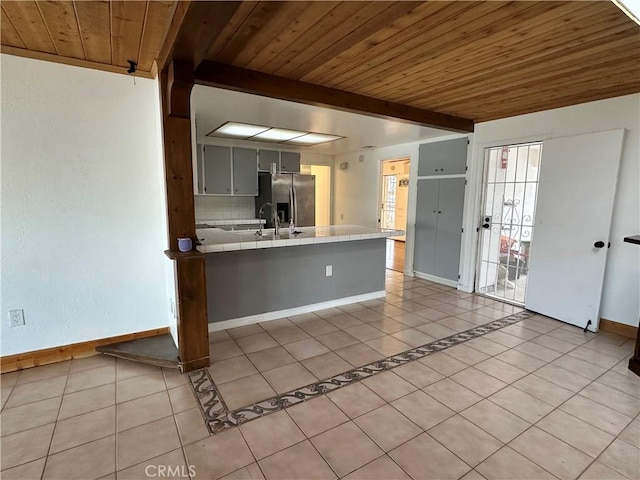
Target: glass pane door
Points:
(389, 190)
(509, 200)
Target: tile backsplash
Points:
(224, 207)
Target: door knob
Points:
(599, 244)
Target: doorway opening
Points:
(394, 203)
(510, 189)
(323, 192)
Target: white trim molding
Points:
(432, 278)
(265, 317)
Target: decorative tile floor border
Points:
(219, 418)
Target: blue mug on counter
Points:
(185, 244)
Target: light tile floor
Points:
(537, 399)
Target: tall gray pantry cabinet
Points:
(439, 208)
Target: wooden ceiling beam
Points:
(194, 27)
(249, 81)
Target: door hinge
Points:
(458, 276)
(463, 230)
(466, 168)
(468, 141)
(477, 229)
(465, 182)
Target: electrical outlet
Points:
(329, 270)
(16, 317)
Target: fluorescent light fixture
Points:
(247, 131)
(631, 8)
(278, 135)
(314, 139)
(237, 130)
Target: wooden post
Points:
(191, 287)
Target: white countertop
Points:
(217, 240)
(245, 221)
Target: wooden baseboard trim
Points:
(618, 328)
(11, 363)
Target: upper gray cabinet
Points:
(245, 171)
(217, 170)
(289, 162)
(266, 158)
(227, 171)
(443, 158)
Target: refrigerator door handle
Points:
(294, 205)
(291, 203)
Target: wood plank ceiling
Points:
(477, 60)
(97, 34)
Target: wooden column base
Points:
(186, 367)
(634, 366)
(191, 302)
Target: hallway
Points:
(395, 255)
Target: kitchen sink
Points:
(267, 234)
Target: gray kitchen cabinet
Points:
(438, 231)
(217, 170)
(424, 257)
(245, 171)
(289, 162)
(266, 158)
(443, 158)
(449, 228)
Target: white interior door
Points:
(577, 186)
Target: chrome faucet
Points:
(276, 220)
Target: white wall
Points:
(317, 164)
(83, 219)
(356, 189)
(357, 192)
(621, 291)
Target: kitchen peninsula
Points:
(253, 278)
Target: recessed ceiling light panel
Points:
(314, 139)
(237, 130)
(278, 135)
(247, 131)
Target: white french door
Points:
(388, 207)
(508, 208)
(576, 192)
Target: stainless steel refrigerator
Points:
(291, 194)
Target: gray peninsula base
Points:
(242, 283)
